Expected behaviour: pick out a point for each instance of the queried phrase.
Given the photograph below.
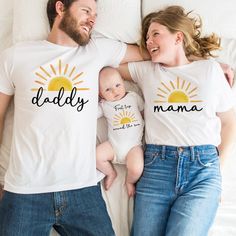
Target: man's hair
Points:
(51, 9)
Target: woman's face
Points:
(161, 44)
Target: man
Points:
(52, 180)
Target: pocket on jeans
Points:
(207, 159)
(149, 158)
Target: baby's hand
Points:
(130, 189)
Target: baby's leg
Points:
(134, 164)
(105, 155)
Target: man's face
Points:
(79, 20)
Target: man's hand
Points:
(229, 73)
(1, 192)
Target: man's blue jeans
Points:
(76, 213)
(179, 191)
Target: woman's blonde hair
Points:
(175, 19)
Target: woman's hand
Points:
(229, 73)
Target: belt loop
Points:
(163, 152)
(192, 153)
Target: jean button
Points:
(180, 149)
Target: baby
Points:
(122, 111)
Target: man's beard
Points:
(69, 25)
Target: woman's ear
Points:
(179, 37)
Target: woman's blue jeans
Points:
(179, 191)
(76, 213)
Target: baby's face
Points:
(112, 87)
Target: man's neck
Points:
(57, 36)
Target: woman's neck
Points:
(179, 59)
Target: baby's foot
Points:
(130, 189)
(109, 180)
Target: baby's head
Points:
(111, 85)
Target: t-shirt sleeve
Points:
(138, 71)
(225, 98)
(6, 85)
(140, 102)
(111, 51)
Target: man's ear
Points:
(59, 8)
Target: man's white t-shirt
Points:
(54, 136)
(181, 102)
(125, 123)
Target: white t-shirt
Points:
(125, 123)
(54, 136)
(181, 102)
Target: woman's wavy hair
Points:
(175, 19)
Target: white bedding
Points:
(120, 19)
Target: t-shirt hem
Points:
(226, 108)
(6, 91)
(49, 189)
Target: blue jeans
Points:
(76, 213)
(179, 191)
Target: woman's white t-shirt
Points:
(181, 103)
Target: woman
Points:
(189, 126)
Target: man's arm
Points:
(4, 103)
(133, 53)
(228, 134)
(124, 72)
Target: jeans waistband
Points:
(190, 149)
(177, 148)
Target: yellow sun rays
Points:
(123, 118)
(55, 77)
(178, 91)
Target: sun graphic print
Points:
(58, 76)
(123, 118)
(177, 91)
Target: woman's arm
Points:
(228, 134)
